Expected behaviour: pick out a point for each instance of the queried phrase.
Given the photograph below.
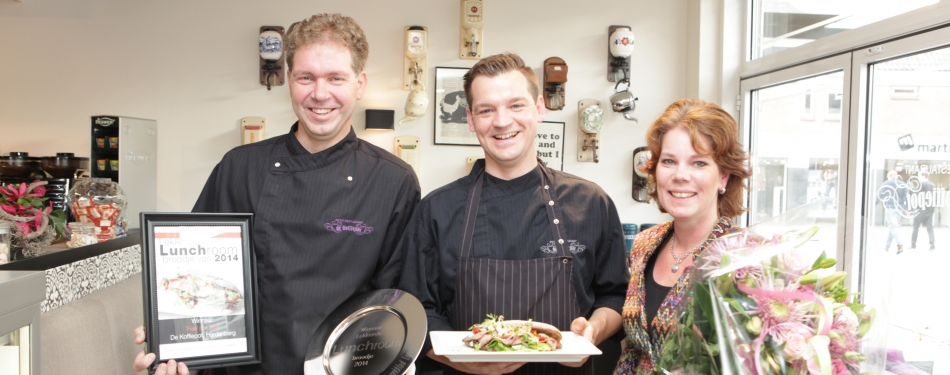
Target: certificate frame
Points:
(450, 124)
(216, 324)
(549, 141)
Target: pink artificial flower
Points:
(38, 192)
(24, 227)
(11, 209)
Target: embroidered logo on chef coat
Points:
(340, 225)
(574, 246)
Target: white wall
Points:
(192, 65)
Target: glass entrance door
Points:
(904, 246)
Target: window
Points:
(882, 109)
(834, 107)
(796, 160)
(782, 24)
(906, 139)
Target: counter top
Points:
(58, 254)
(71, 274)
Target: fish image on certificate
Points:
(200, 298)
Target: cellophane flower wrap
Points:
(766, 300)
(35, 223)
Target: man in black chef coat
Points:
(329, 208)
(514, 237)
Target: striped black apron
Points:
(538, 289)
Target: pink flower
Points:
(11, 194)
(38, 192)
(795, 262)
(794, 346)
(838, 367)
(845, 327)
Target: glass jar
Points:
(100, 202)
(6, 251)
(81, 234)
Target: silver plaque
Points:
(379, 332)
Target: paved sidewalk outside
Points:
(918, 309)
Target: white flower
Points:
(794, 345)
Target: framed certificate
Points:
(451, 124)
(200, 287)
(550, 144)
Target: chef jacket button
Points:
(560, 240)
(556, 221)
(277, 164)
(550, 203)
(349, 178)
(564, 261)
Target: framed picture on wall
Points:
(550, 144)
(451, 127)
(200, 296)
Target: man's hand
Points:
(481, 368)
(603, 323)
(143, 361)
(588, 331)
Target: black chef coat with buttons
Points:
(326, 226)
(512, 224)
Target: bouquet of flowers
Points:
(23, 205)
(763, 305)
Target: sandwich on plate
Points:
(499, 335)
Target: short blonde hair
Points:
(328, 28)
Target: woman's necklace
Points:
(676, 266)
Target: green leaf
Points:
(737, 307)
(58, 218)
(703, 300)
(25, 202)
(817, 263)
(37, 202)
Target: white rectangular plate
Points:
(449, 343)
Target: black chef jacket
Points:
(512, 224)
(326, 227)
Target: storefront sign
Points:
(199, 278)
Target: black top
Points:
(512, 224)
(924, 195)
(325, 228)
(654, 292)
